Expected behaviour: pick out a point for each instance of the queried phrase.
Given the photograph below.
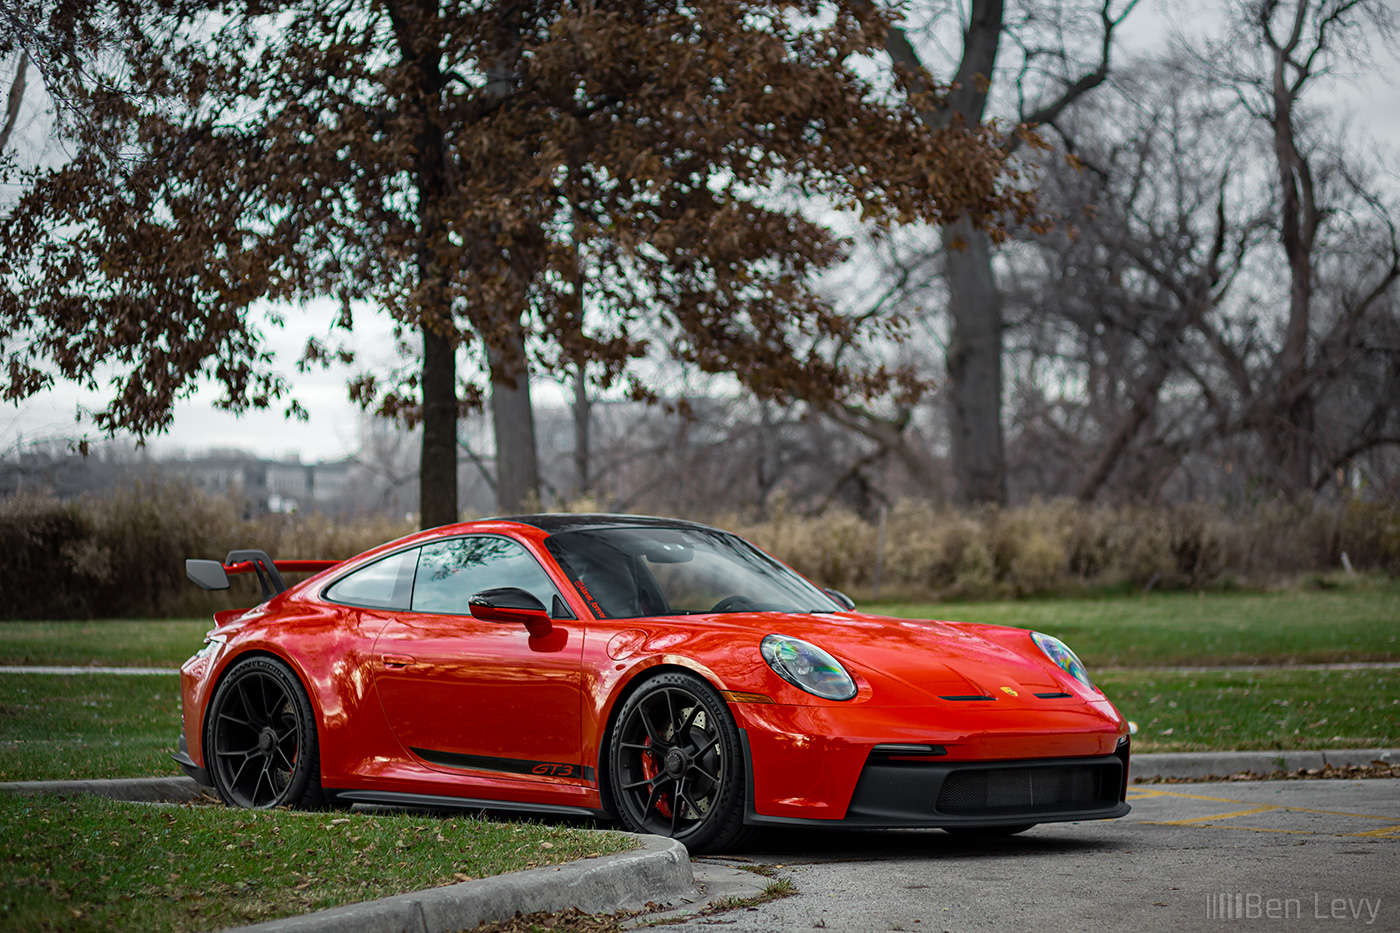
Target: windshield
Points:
(628, 573)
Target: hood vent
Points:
(965, 699)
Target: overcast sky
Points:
(1372, 99)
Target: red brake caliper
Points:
(651, 770)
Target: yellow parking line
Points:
(1383, 832)
(1217, 816)
(1145, 793)
(1359, 816)
(1170, 793)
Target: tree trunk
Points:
(437, 469)
(975, 351)
(974, 367)
(513, 418)
(974, 304)
(582, 410)
(437, 482)
(1290, 442)
(13, 102)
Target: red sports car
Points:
(658, 672)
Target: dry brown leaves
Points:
(1376, 769)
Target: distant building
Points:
(280, 486)
(264, 485)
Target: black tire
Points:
(987, 832)
(260, 745)
(674, 741)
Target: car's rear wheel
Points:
(675, 764)
(260, 743)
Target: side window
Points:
(384, 584)
(451, 572)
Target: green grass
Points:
(116, 643)
(1355, 621)
(92, 725)
(1187, 712)
(59, 727)
(1359, 622)
(88, 864)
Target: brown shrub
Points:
(124, 556)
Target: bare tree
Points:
(1151, 334)
(1317, 198)
(1048, 82)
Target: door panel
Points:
(462, 693)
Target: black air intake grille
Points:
(1061, 787)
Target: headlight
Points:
(1059, 652)
(807, 667)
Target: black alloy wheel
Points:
(676, 767)
(260, 747)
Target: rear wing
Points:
(213, 575)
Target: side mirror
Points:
(511, 604)
(209, 574)
(844, 601)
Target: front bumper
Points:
(186, 763)
(900, 791)
(806, 762)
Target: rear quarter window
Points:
(385, 584)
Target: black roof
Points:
(555, 522)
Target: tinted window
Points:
(451, 572)
(384, 584)
(628, 573)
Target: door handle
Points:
(396, 661)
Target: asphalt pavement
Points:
(1308, 854)
(1289, 855)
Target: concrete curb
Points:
(71, 671)
(1221, 764)
(659, 870)
(140, 790)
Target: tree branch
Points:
(16, 98)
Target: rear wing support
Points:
(213, 575)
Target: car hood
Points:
(917, 661)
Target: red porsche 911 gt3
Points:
(658, 672)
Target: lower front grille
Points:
(1056, 787)
(899, 789)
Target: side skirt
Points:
(400, 799)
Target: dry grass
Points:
(124, 555)
(1065, 548)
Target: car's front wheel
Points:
(260, 744)
(675, 764)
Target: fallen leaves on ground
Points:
(1376, 769)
